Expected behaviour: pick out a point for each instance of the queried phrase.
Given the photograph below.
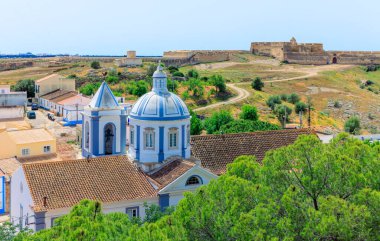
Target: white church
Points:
(159, 162)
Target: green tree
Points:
(150, 70)
(273, 100)
(196, 125)
(238, 126)
(26, 85)
(95, 65)
(217, 120)
(172, 85)
(196, 86)
(219, 82)
(352, 125)
(249, 112)
(178, 74)
(172, 69)
(193, 74)
(89, 88)
(257, 84)
(300, 106)
(283, 112)
(293, 98)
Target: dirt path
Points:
(243, 94)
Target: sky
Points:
(111, 27)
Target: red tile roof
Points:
(216, 151)
(170, 171)
(65, 183)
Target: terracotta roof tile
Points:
(65, 183)
(170, 171)
(216, 151)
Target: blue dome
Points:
(159, 104)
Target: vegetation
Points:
(305, 191)
(249, 112)
(193, 74)
(237, 126)
(89, 88)
(300, 107)
(26, 85)
(219, 82)
(178, 74)
(293, 98)
(217, 120)
(138, 88)
(273, 100)
(352, 125)
(196, 125)
(283, 112)
(257, 84)
(95, 65)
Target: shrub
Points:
(193, 74)
(284, 97)
(249, 112)
(300, 106)
(150, 70)
(369, 82)
(283, 111)
(185, 95)
(196, 86)
(293, 98)
(352, 125)
(112, 79)
(273, 101)
(196, 125)
(138, 88)
(372, 67)
(95, 65)
(337, 104)
(89, 88)
(172, 85)
(204, 78)
(217, 120)
(219, 83)
(257, 84)
(172, 69)
(178, 74)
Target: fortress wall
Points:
(356, 57)
(269, 49)
(307, 58)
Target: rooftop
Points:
(76, 99)
(49, 77)
(66, 183)
(216, 151)
(30, 136)
(58, 95)
(170, 172)
(8, 166)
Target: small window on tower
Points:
(149, 138)
(132, 136)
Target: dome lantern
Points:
(159, 80)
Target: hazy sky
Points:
(153, 26)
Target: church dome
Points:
(159, 104)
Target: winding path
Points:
(243, 93)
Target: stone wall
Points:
(354, 57)
(200, 56)
(307, 58)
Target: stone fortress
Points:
(312, 53)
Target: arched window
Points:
(193, 180)
(173, 138)
(149, 138)
(87, 135)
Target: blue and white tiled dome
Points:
(159, 104)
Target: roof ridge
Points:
(75, 160)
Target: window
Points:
(188, 135)
(193, 180)
(132, 136)
(21, 187)
(25, 152)
(87, 135)
(133, 212)
(149, 138)
(53, 221)
(173, 140)
(46, 149)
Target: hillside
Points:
(336, 91)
